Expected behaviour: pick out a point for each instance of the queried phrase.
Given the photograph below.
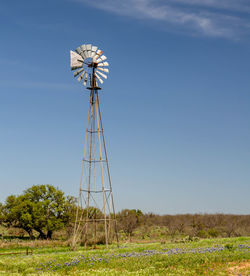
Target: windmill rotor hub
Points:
(92, 65)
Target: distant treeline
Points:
(191, 225)
(44, 212)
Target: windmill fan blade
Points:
(100, 80)
(81, 76)
(93, 51)
(89, 54)
(87, 51)
(94, 48)
(85, 80)
(78, 50)
(78, 72)
(98, 53)
(100, 73)
(75, 60)
(106, 70)
(81, 52)
(85, 54)
(103, 64)
(88, 47)
(102, 58)
(83, 47)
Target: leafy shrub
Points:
(202, 234)
(229, 247)
(214, 233)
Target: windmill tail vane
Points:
(95, 213)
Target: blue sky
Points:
(175, 106)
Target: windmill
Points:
(95, 213)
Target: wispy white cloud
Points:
(230, 5)
(217, 18)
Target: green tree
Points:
(42, 208)
(129, 220)
(1, 213)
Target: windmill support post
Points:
(91, 211)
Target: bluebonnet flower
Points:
(165, 251)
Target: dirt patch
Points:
(242, 268)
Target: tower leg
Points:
(103, 188)
(77, 225)
(109, 177)
(90, 164)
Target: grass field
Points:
(204, 257)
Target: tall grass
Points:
(203, 257)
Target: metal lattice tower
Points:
(95, 214)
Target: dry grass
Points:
(33, 244)
(242, 268)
